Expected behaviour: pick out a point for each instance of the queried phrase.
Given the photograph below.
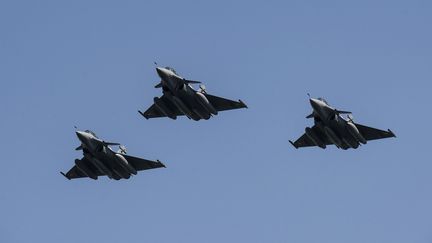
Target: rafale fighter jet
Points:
(100, 160)
(332, 128)
(180, 98)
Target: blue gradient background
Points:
(234, 178)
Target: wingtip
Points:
(392, 133)
(242, 103)
(65, 175)
(158, 86)
(310, 116)
(163, 165)
(142, 114)
(291, 142)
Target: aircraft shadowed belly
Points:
(100, 160)
(332, 128)
(181, 99)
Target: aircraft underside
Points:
(338, 135)
(93, 167)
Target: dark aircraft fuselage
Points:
(341, 131)
(193, 103)
(102, 159)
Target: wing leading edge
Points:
(222, 104)
(370, 133)
(143, 164)
(138, 163)
(75, 173)
(155, 112)
(305, 141)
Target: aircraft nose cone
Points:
(160, 71)
(80, 135)
(314, 103)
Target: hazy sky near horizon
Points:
(235, 177)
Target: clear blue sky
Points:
(234, 178)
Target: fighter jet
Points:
(332, 128)
(180, 98)
(99, 160)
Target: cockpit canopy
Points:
(323, 100)
(91, 132)
(171, 69)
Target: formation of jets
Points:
(179, 98)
